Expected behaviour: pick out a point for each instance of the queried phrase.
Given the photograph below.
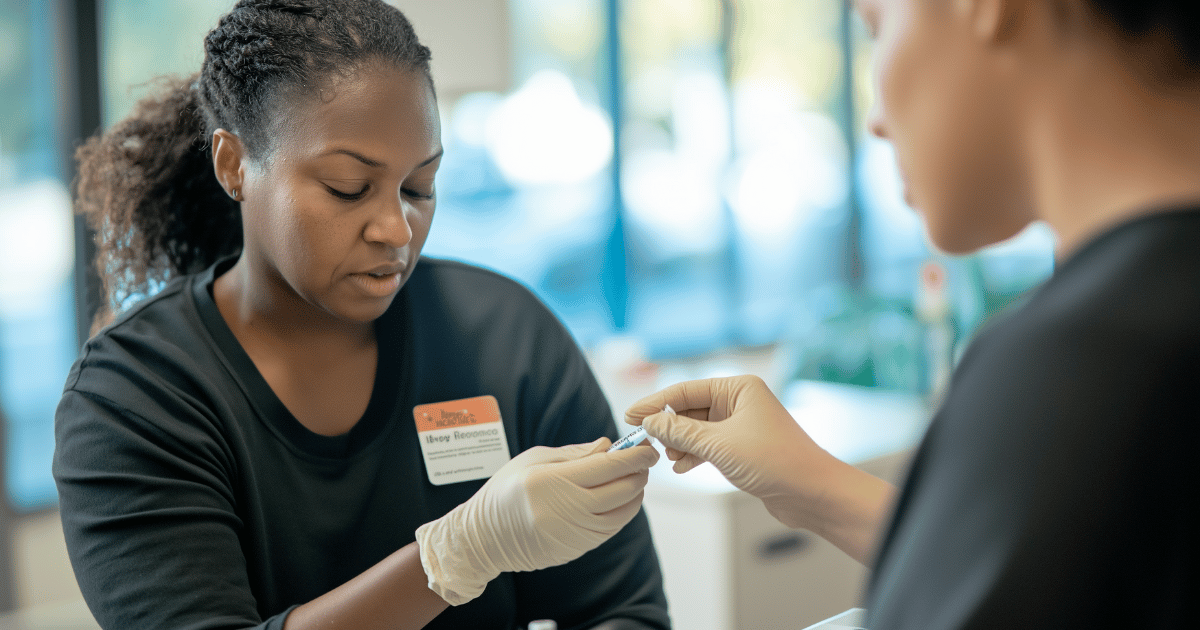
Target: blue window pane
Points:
(137, 48)
(37, 320)
(37, 347)
(525, 185)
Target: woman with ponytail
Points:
(245, 440)
(147, 187)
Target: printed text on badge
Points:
(461, 440)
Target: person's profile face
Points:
(338, 210)
(938, 101)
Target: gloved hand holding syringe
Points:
(635, 437)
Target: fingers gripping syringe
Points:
(635, 437)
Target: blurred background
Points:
(688, 184)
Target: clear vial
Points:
(543, 624)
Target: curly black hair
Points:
(147, 185)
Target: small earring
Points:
(234, 193)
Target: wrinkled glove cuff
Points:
(449, 563)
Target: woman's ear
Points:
(229, 162)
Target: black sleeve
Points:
(148, 515)
(618, 585)
(1049, 492)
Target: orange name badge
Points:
(461, 440)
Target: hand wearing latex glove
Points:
(742, 428)
(545, 507)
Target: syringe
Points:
(635, 437)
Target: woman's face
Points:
(943, 100)
(338, 210)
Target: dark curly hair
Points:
(147, 185)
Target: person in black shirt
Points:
(1051, 489)
(241, 449)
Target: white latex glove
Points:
(545, 507)
(742, 428)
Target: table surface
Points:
(72, 615)
(850, 620)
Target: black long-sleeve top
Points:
(1057, 486)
